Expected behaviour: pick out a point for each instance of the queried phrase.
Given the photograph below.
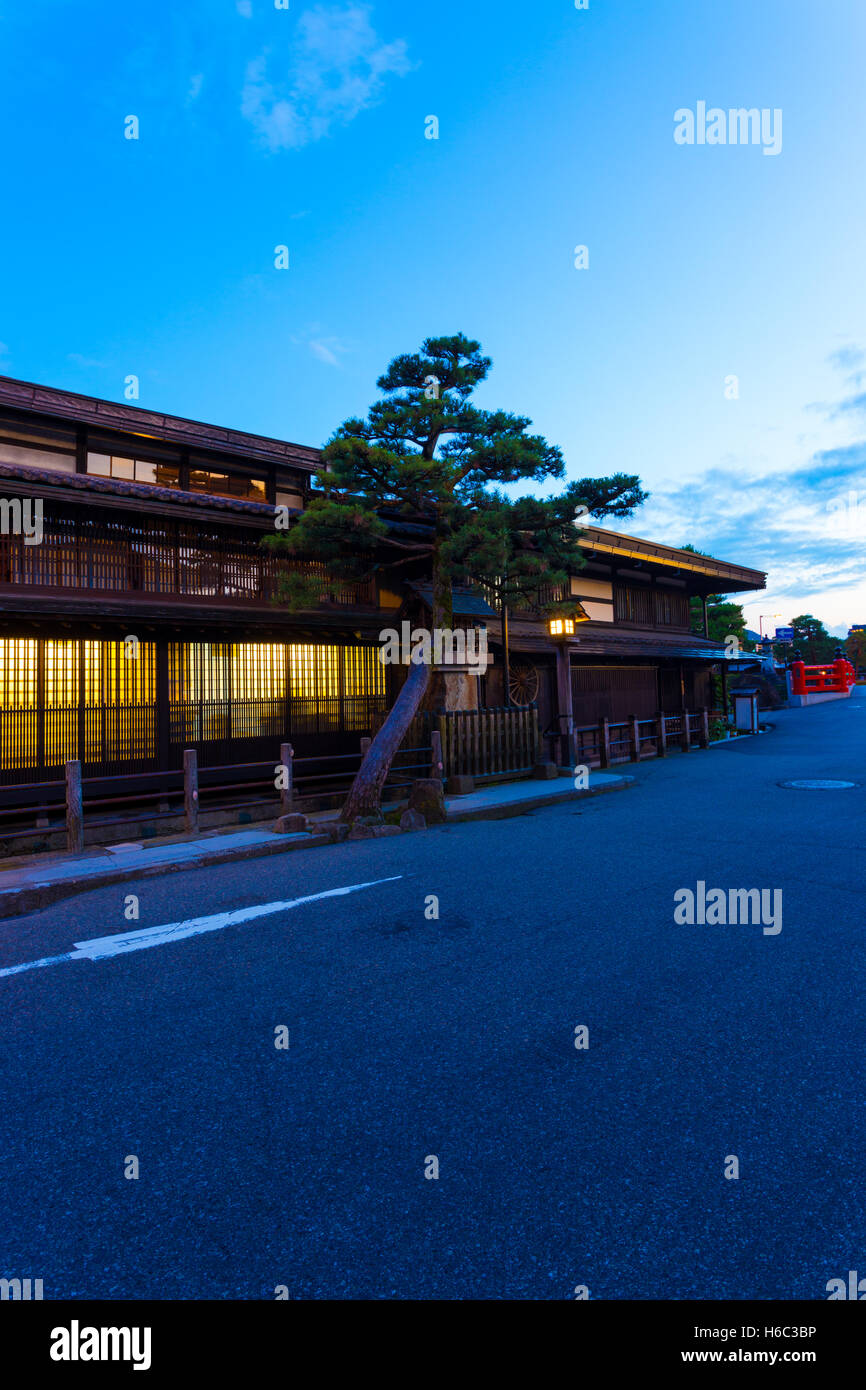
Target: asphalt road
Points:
(411, 1037)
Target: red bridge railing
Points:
(837, 678)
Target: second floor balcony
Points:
(158, 558)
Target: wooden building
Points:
(636, 653)
(138, 617)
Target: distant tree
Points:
(855, 647)
(426, 454)
(724, 618)
(812, 640)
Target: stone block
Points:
(545, 772)
(460, 785)
(427, 797)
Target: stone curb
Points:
(534, 803)
(18, 902)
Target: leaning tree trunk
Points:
(442, 610)
(365, 795)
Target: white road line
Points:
(104, 947)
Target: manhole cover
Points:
(818, 784)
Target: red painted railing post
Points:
(798, 677)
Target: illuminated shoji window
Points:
(119, 674)
(18, 684)
(199, 672)
(314, 671)
(364, 673)
(258, 671)
(19, 694)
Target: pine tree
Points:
(427, 456)
(812, 640)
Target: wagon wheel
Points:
(523, 683)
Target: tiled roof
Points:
(117, 487)
(112, 415)
(599, 543)
(466, 603)
(602, 639)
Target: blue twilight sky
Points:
(305, 127)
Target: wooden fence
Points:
(487, 742)
(108, 805)
(478, 743)
(631, 740)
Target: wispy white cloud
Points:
(326, 347)
(81, 361)
(806, 526)
(245, 8)
(327, 350)
(195, 86)
(847, 358)
(336, 70)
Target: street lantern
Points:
(561, 628)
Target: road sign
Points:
(784, 634)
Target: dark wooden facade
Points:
(637, 654)
(146, 618)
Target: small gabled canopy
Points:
(466, 603)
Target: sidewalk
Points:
(31, 882)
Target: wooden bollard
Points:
(705, 727)
(190, 789)
(687, 733)
(74, 808)
(635, 739)
(287, 792)
(604, 742)
(437, 764)
(661, 735)
(366, 744)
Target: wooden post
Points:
(604, 743)
(443, 744)
(661, 735)
(190, 789)
(564, 703)
(163, 707)
(506, 678)
(687, 733)
(437, 763)
(365, 747)
(705, 727)
(74, 808)
(635, 739)
(287, 754)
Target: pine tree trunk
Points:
(442, 618)
(365, 795)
